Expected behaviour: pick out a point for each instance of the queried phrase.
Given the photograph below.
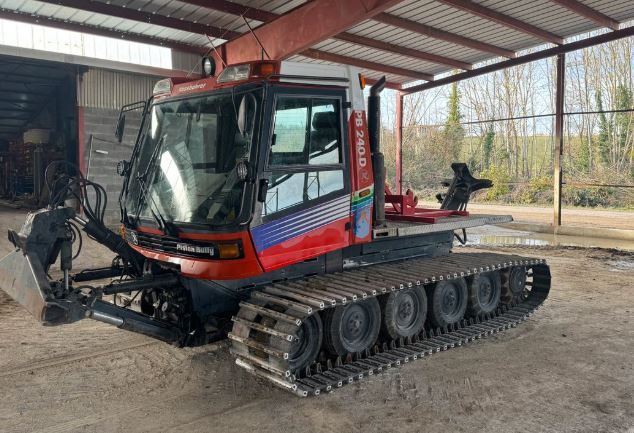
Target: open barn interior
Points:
(37, 124)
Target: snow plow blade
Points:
(24, 280)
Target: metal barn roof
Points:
(411, 41)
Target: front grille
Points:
(169, 244)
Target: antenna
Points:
(256, 38)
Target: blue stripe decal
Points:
(283, 229)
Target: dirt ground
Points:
(568, 369)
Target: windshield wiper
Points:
(165, 226)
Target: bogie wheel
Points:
(484, 293)
(353, 327)
(513, 283)
(447, 302)
(403, 313)
(303, 350)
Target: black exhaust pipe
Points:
(378, 162)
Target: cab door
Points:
(305, 210)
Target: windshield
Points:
(185, 168)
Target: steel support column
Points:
(559, 137)
(398, 129)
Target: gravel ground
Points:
(568, 369)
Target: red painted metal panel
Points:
(322, 240)
(389, 85)
(362, 178)
(221, 269)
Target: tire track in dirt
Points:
(59, 360)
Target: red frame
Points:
(404, 209)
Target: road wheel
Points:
(447, 302)
(484, 293)
(404, 313)
(513, 283)
(303, 350)
(353, 327)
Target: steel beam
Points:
(398, 129)
(144, 17)
(559, 137)
(365, 64)
(505, 20)
(538, 55)
(319, 20)
(442, 35)
(589, 13)
(265, 16)
(234, 9)
(404, 51)
(99, 31)
(388, 84)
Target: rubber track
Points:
(265, 325)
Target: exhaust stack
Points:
(378, 161)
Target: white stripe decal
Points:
(298, 223)
(312, 210)
(306, 226)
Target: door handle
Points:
(263, 188)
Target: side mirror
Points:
(242, 116)
(120, 127)
(246, 110)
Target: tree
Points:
(604, 131)
(622, 122)
(487, 147)
(454, 132)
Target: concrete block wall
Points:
(106, 152)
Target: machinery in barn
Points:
(254, 207)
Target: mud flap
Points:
(23, 279)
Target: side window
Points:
(306, 152)
(306, 132)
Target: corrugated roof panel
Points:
(540, 13)
(617, 10)
(373, 55)
(461, 23)
(413, 40)
(370, 74)
(11, 4)
(405, 38)
(276, 6)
